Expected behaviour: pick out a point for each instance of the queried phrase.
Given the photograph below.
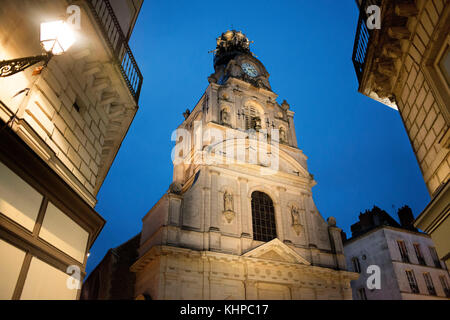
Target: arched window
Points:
(263, 217)
(252, 118)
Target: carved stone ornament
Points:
(186, 114)
(228, 207)
(331, 222)
(175, 188)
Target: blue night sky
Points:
(358, 149)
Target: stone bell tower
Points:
(239, 221)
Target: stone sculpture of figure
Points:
(283, 138)
(295, 216)
(186, 114)
(296, 225)
(285, 106)
(225, 117)
(257, 123)
(228, 201)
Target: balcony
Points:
(362, 39)
(113, 34)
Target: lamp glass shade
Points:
(56, 37)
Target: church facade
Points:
(239, 220)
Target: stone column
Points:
(206, 216)
(282, 215)
(310, 220)
(243, 206)
(214, 211)
(251, 290)
(206, 277)
(174, 209)
(213, 111)
(336, 245)
(292, 136)
(304, 219)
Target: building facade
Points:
(409, 266)
(405, 65)
(61, 127)
(239, 220)
(112, 278)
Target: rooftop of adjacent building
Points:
(376, 218)
(112, 278)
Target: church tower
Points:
(239, 221)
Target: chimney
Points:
(406, 218)
(343, 236)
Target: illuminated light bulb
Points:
(56, 37)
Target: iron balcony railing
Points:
(113, 33)
(362, 39)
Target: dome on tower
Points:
(230, 44)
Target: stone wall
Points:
(422, 109)
(176, 273)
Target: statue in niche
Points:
(228, 206)
(225, 117)
(296, 224)
(228, 201)
(283, 138)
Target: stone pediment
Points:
(276, 250)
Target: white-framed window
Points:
(435, 257)
(429, 283)
(412, 281)
(252, 118)
(419, 254)
(445, 286)
(356, 265)
(403, 250)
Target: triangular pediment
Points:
(276, 250)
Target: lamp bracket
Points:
(10, 67)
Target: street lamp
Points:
(56, 38)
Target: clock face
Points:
(249, 69)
